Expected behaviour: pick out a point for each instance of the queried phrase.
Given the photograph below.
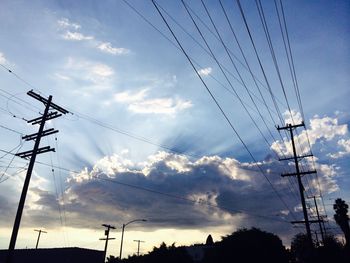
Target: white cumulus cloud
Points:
(108, 48)
(325, 128)
(205, 71)
(71, 31)
(65, 23)
(127, 96)
(76, 36)
(102, 70)
(139, 103)
(94, 75)
(344, 146)
(2, 58)
(160, 106)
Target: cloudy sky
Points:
(193, 149)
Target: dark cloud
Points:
(222, 191)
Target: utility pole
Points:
(298, 174)
(320, 220)
(37, 241)
(138, 246)
(109, 227)
(49, 105)
(317, 242)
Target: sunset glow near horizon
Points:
(145, 140)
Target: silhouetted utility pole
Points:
(317, 242)
(298, 174)
(32, 154)
(320, 220)
(37, 241)
(107, 238)
(138, 246)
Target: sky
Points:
(193, 149)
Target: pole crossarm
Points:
(290, 126)
(300, 173)
(42, 231)
(303, 221)
(299, 157)
(45, 101)
(34, 136)
(108, 226)
(26, 154)
(50, 116)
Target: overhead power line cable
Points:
(260, 63)
(218, 105)
(275, 62)
(226, 77)
(246, 61)
(240, 76)
(298, 94)
(238, 80)
(232, 53)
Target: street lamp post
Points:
(123, 228)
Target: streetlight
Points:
(124, 225)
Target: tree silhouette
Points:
(163, 253)
(301, 249)
(248, 245)
(331, 251)
(342, 219)
(209, 241)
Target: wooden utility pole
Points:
(32, 154)
(298, 174)
(108, 227)
(138, 246)
(320, 221)
(37, 241)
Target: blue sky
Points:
(134, 95)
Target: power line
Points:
(189, 34)
(295, 80)
(62, 221)
(272, 51)
(221, 110)
(259, 61)
(241, 78)
(202, 47)
(240, 62)
(226, 77)
(9, 129)
(9, 164)
(268, 37)
(194, 61)
(245, 60)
